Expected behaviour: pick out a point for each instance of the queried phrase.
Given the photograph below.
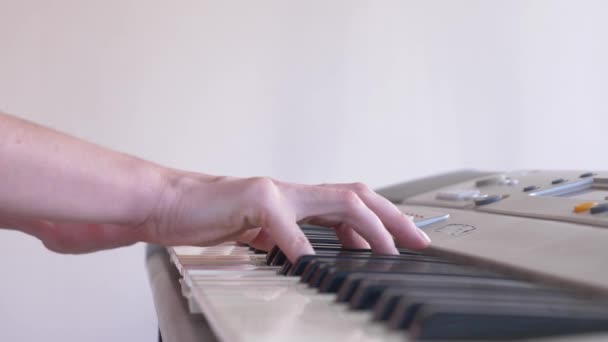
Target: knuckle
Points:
(360, 188)
(264, 189)
(219, 179)
(351, 199)
(264, 196)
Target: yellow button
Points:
(584, 207)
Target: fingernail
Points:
(424, 236)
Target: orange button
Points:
(584, 207)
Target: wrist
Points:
(164, 187)
(151, 181)
(164, 196)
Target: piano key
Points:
(347, 254)
(466, 321)
(387, 301)
(368, 293)
(335, 278)
(409, 304)
(279, 257)
(303, 261)
(427, 295)
(271, 254)
(338, 271)
(354, 280)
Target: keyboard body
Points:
(535, 227)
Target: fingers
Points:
(336, 206)
(350, 238)
(263, 241)
(398, 224)
(288, 236)
(257, 238)
(366, 224)
(360, 217)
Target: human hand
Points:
(77, 197)
(196, 209)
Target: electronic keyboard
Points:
(515, 255)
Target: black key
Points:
(464, 321)
(303, 261)
(386, 303)
(333, 280)
(352, 254)
(317, 276)
(313, 265)
(310, 270)
(298, 267)
(318, 229)
(279, 259)
(403, 304)
(353, 281)
(285, 268)
(367, 295)
(341, 270)
(408, 306)
(271, 254)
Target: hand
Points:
(197, 210)
(77, 197)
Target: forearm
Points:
(48, 175)
(77, 197)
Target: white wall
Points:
(313, 91)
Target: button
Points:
(502, 179)
(586, 174)
(530, 188)
(457, 195)
(512, 181)
(600, 208)
(558, 181)
(584, 207)
(488, 200)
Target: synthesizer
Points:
(515, 255)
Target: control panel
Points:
(574, 196)
(546, 225)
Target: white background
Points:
(314, 91)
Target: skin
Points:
(77, 197)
